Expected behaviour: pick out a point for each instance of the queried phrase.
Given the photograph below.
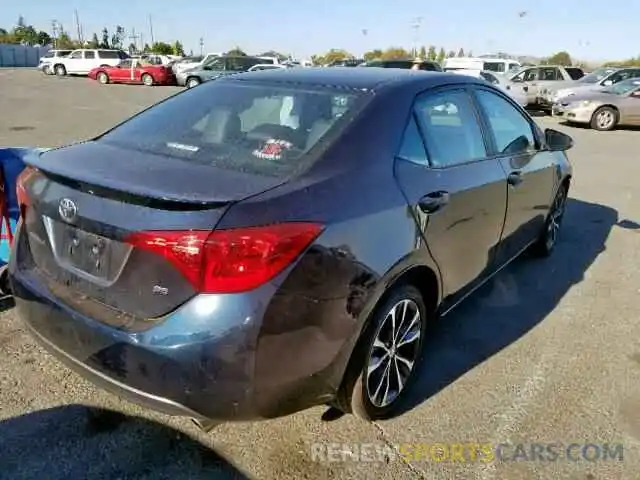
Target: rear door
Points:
(532, 173)
(458, 194)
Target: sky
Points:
(587, 30)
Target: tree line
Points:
(25, 34)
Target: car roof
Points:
(353, 78)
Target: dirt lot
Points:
(545, 354)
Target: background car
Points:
(46, 61)
(189, 63)
(263, 66)
(134, 71)
(596, 80)
(405, 64)
(513, 90)
(277, 240)
(603, 109)
(82, 61)
(534, 79)
(216, 67)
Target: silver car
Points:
(605, 109)
(535, 79)
(596, 80)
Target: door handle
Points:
(514, 179)
(433, 202)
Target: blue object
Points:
(12, 164)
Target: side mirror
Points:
(635, 94)
(557, 141)
(608, 83)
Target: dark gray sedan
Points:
(281, 239)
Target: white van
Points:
(497, 65)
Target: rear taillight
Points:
(21, 191)
(230, 261)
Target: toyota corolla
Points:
(277, 240)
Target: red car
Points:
(134, 72)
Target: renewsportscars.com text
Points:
(468, 452)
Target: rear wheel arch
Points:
(422, 277)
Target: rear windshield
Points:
(498, 67)
(261, 129)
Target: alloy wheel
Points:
(394, 353)
(555, 218)
(605, 119)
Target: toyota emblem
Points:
(67, 210)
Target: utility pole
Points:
(78, 28)
(151, 30)
(134, 38)
(415, 25)
(54, 32)
(201, 47)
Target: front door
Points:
(630, 107)
(457, 195)
(122, 72)
(74, 62)
(532, 175)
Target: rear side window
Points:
(512, 132)
(49, 55)
(575, 73)
(451, 128)
(412, 148)
(110, 54)
(262, 129)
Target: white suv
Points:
(81, 62)
(50, 58)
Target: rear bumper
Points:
(252, 356)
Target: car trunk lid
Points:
(85, 202)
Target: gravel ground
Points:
(545, 354)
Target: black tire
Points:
(46, 70)
(102, 78)
(5, 284)
(357, 394)
(548, 239)
(60, 70)
(604, 119)
(147, 80)
(192, 82)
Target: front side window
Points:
(255, 128)
(215, 64)
(76, 55)
(450, 127)
(512, 132)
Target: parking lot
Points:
(547, 353)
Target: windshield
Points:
(262, 129)
(624, 87)
(597, 75)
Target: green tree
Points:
(105, 38)
(560, 58)
(162, 48)
(94, 42)
(432, 54)
(117, 39)
(178, 49)
(451, 54)
(373, 55)
(394, 53)
(333, 55)
(422, 54)
(65, 41)
(236, 52)
(441, 55)
(132, 48)
(461, 52)
(146, 48)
